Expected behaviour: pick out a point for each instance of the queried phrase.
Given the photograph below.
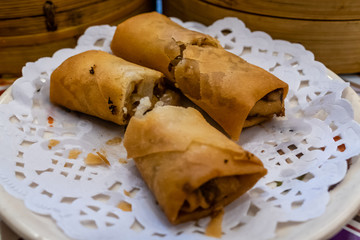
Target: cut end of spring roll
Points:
(192, 169)
(235, 93)
(103, 85)
(268, 106)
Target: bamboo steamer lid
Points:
(31, 29)
(300, 9)
(328, 28)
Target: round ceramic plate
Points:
(343, 205)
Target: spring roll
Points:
(103, 85)
(233, 92)
(192, 169)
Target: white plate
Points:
(344, 203)
(20, 219)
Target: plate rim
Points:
(343, 215)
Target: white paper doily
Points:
(305, 153)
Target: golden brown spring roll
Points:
(232, 91)
(103, 85)
(192, 169)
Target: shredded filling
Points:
(145, 95)
(269, 104)
(211, 193)
(266, 107)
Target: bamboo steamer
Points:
(31, 29)
(328, 28)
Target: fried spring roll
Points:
(232, 91)
(103, 85)
(192, 169)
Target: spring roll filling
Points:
(145, 95)
(141, 97)
(266, 107)
(211, 193)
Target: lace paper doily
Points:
(305, 153)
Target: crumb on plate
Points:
(122, 161)
(125, 206)
(114, 141)
(96, 159)
(74, 153)
(53, 143)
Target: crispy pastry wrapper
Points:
(103, 85)
(192, 169)
(158, 40)
(232, 91)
